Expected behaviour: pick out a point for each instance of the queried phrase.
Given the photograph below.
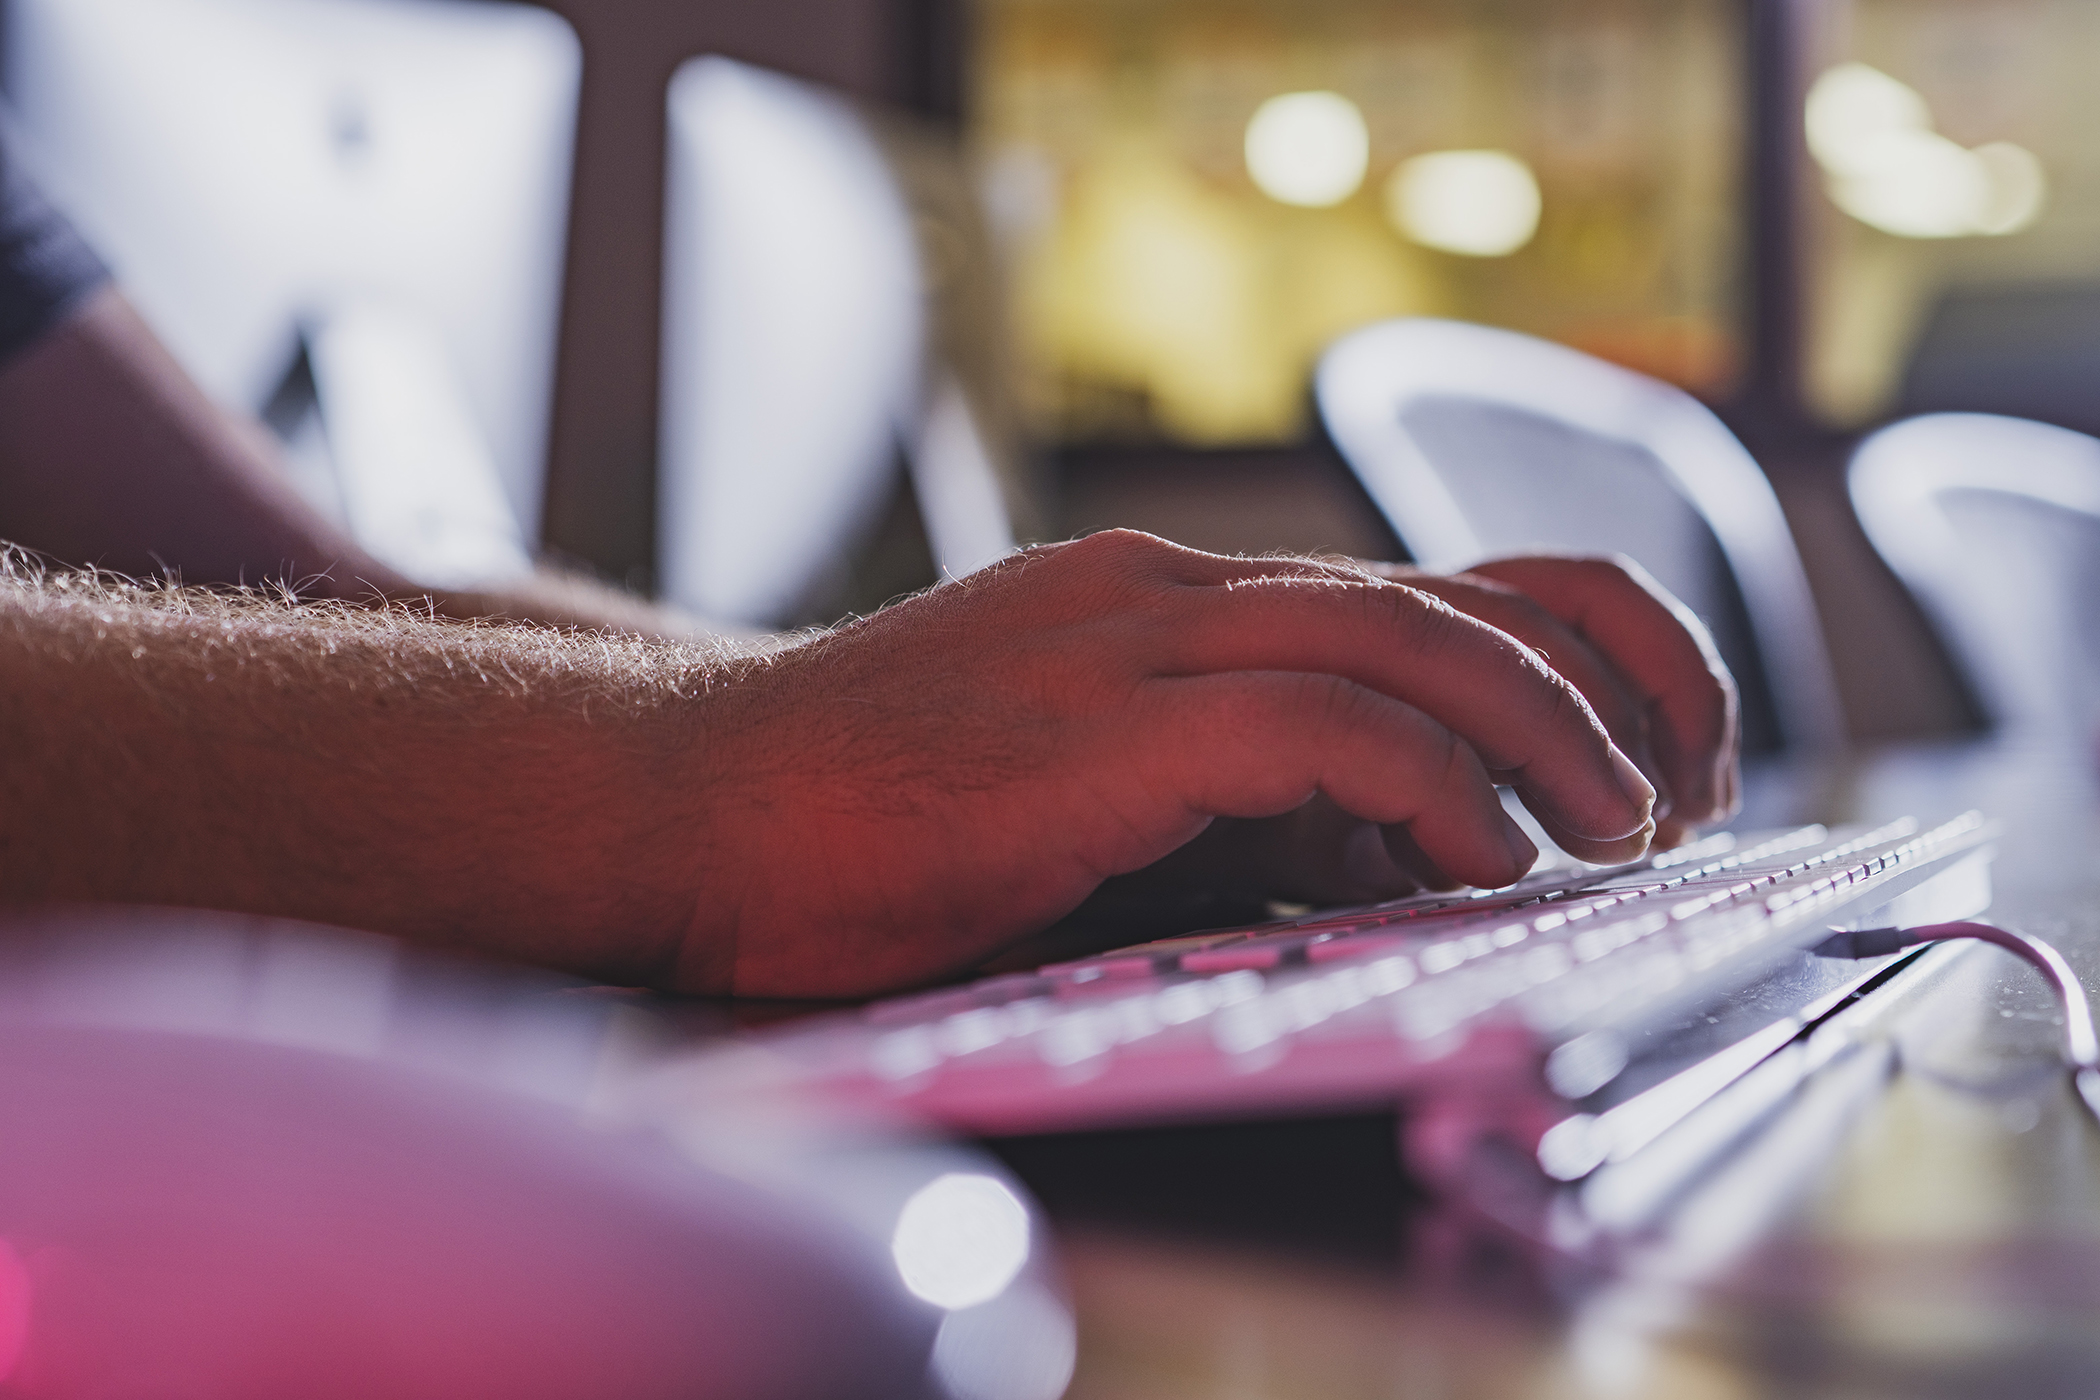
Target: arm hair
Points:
(71, 616)
(522, 789)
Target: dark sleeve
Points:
(44, 265)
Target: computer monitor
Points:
(798, 363)
(362, 199)
(792, 338)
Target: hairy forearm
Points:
(509, 788)
(557, 598)
(896, 800)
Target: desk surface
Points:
(1946, 1241)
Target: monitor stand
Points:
(378, 436)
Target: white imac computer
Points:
(348, 215)
(796, 368)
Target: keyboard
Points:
(1546, 995)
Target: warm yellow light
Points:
(1483, 204)
(1884, 164)
(2018, 187)
(1914, 184)
(1851, 108)
(1308, 148)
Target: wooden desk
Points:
(1946, 1239)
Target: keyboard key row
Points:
(1314, 938)
(1583, 957)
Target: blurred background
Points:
(1136, 225)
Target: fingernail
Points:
(1639, 791)
(1665, 798)
(1521, 849)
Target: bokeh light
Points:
(1308, 148)
(1166, 290)
(1852, 106)
(2018, 187)
(1019, 1346)
(1483, 204)
(960, 1240)
(1885, 165)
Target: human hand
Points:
(909, 795)
(1643, 660)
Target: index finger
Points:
(1528, 724)
(1661, 646)
(1624, 714)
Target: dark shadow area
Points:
(892, 562)
(2029, 351)
(1331, 1186)
(1228, 501)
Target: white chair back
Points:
(1994, 525)
(1475, 441)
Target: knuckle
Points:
(1454, 759)
(1115, 567)
(1335, 709)
(1115, 540)
(1323, 700)
(1566, 709)
(1119, 547)
(1435, 626)
(1612, 574)
(1332, 705)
